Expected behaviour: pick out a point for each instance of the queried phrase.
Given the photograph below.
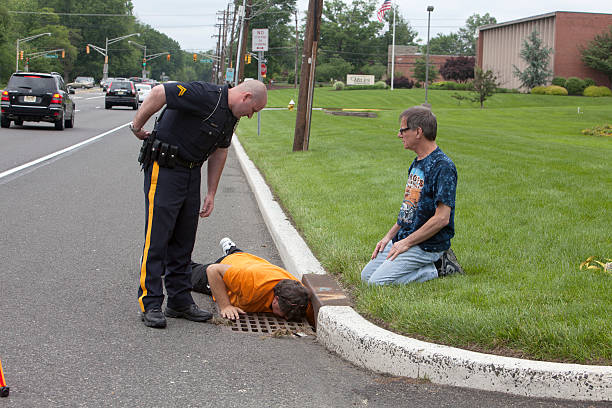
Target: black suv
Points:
(122, 93)
(37, 97)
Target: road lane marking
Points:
(95, 97)
(52, 155)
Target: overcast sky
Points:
(192, 22)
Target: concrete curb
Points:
(341, 330)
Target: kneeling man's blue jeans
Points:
(414, 265)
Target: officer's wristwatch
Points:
(133, 129)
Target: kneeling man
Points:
(241, 282)
(425, 224)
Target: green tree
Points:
(445, 44)
(598, 53)
(485, 83)
(419, 72)
(467, 34)
(537, 57)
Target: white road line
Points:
(52, 155)
(95, 97)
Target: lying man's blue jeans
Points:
(414, 265)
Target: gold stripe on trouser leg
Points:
(143, 266)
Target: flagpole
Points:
(393, 47)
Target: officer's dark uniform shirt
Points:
(188, 104)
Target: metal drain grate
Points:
(268, 323)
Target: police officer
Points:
(196, 125)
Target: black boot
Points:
(154, 318)
(191, 312)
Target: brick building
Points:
(499, 45)
(405, 57)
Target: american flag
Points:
(383, 9)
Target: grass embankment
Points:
(534, 199)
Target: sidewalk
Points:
(342, 330)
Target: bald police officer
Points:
(196, 125)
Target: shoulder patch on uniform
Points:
(182, 90)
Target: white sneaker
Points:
(226, 245)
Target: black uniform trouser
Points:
(172, 205)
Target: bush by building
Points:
(559, 81)
(588, 82)
(459, 69)
(549, 90)
(597, 91)
(452, 86)
(401, 82)
(575, 86)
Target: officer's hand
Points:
(207, 208)
(142, 134)
(231, 312)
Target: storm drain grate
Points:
(268, 323)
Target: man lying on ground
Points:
(241, 282)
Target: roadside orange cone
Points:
(4, 390)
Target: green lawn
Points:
(534, 200)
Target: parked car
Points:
(143, 91)
(82, 82)
(37, 97)
(121, 93)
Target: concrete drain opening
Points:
(267, 323)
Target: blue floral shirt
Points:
(430, 181)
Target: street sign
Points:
(260, 39)
(229, 74)
(206, 60)
(263, 68)
(51, 56)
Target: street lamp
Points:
(109, 42)
(22, 40)
(429, 10)
(144, 68)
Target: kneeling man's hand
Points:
(231, 312)
(398, 248)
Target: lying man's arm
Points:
(215, 274)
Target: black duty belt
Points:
(187, 163)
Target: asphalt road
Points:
(70, 334)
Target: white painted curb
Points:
(348, 334)
(294, 252)
(342, 330)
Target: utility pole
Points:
(224, 42)
(245, 36)
(309, 60)
(297, 51)
(231, 41)
(239, 53)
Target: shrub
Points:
(555, 90)
(588, 82)
(401, 82)
(380, 85)
(458, 68)
(338, 85)
(604, 130)
(559, 81)
(575, 86)
(596, 91)
(538, 90)
(507, 90)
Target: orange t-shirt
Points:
(250, 281)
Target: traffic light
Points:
(195, 57)
(144, 62)
(63, 54)
(21, 55)
(248, 58)
(168, 57)
(87, 49)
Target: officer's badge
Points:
(182, 90)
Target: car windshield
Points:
(121, 85)
(35, 83)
